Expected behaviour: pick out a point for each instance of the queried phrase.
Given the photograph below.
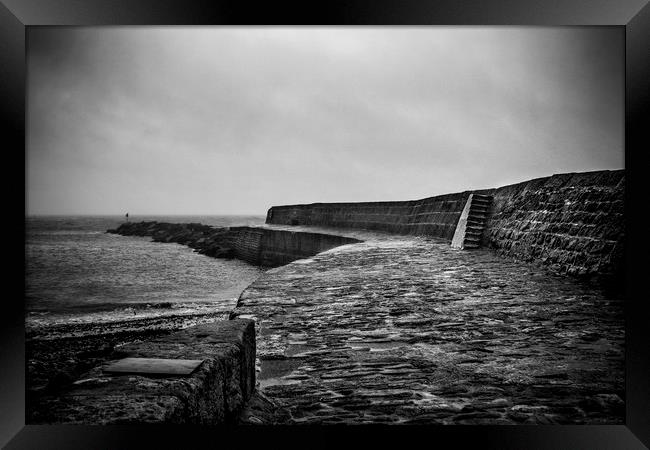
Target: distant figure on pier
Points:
(127, 217)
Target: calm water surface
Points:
(77, 273)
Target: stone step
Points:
(478, 213)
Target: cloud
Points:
(236, 119)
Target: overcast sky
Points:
(224, 120)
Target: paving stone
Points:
(404, 329)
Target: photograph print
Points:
(325, 225)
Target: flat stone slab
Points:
(208, 374)
(154, 366)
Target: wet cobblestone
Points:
(408, 330)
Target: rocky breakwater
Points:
(260, 246)
(205, 239)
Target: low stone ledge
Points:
(214, 393)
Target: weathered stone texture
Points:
(275, 247)
(214, 393)
(433, 216)
(571, 223)
(247, 245)
(410, 330)
(259, 246)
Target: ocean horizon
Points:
(77, 273)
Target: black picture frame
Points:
(633, 15)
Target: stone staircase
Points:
(472, 222)
(478, 211)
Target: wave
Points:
(56, 325)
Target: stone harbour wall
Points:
(259, 246)
(247, 244)
(272, 248)
(433, 216)
(281, 247)
(572, 223)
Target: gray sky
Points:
(226, 120)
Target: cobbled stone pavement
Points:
(408, 330)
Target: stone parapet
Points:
(433, 216)
(214, 393)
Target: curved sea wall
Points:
(433, 216)
(572, 223)
(272, 248)
(259, 246)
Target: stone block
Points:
(214, 393)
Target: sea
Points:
(76, 273)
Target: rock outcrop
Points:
(205, 239)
